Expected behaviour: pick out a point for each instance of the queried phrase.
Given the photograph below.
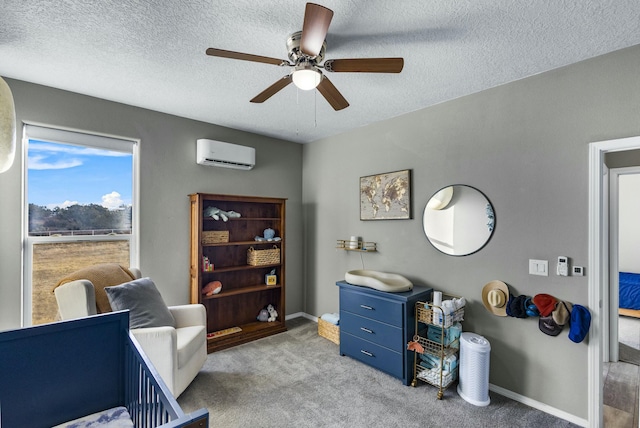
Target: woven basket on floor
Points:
(263, 257)
(329, 331)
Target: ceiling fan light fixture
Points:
(306, 77)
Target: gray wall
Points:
(622, 159)
(168, 174)
(525, 145)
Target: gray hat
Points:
(562, 313)
(548, 326)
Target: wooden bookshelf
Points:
(244, 291)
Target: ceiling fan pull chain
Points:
(315, 108)
(297, 113)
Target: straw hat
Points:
(495, 296)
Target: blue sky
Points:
(63, 175)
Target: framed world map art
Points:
(386, 196)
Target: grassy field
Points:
(54, 261)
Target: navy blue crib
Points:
(54, 373)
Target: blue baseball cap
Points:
(580, 323)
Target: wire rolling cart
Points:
(428, 314)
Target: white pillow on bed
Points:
(118, 417)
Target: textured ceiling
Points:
(151, 54)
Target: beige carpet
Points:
(298, 379)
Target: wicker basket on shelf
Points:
(215, 237)
(263, 257)
(436, 316)
(329, 331)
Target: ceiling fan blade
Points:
(314, 29)
(245, 57)
(271, 90)
(331, 94)
(365, 65)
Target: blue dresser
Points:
(376, 326)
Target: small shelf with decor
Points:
(361, 246)
(236, 269)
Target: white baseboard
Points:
(538, 405)
(499, 390)
(301, 314)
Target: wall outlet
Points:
(577, 271)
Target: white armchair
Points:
(177, 353)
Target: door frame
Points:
(598, 275)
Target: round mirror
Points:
(458, 220)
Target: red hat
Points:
(545, 303)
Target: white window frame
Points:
(80, 138)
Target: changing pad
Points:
(383, 281)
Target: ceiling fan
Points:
(306, 52)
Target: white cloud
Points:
(43, 156)
(112, 200)
(38, 162)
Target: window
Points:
(79, 210)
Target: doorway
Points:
(599, 267)
(624, 279)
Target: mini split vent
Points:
(226, 155)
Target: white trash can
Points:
(473, 382)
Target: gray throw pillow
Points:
(144, 302)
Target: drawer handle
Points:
(366, 353)
(366, 307)
(366, 330)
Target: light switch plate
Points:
(539, 267)
(578, 271)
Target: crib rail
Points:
(148, 399)
(58, 372)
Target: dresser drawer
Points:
(374, 331)
(374, 355)
(377, 308)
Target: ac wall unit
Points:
(217, 153)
